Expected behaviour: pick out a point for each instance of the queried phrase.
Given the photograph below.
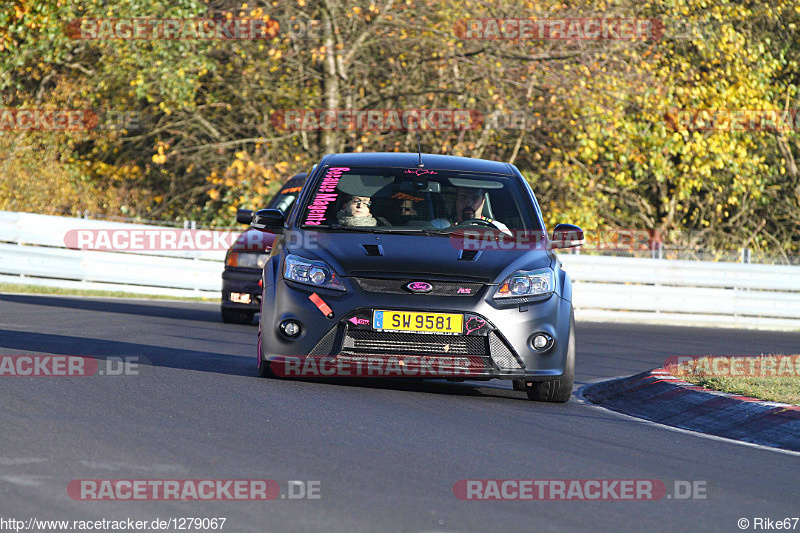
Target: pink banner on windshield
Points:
(326, 195)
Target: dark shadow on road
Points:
(177, 310)
(169, 357)
(204, 361)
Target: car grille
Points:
(358, 345)
(501, 355)
(326, 345)
(465, 363)
(398, 286)
(413, 343)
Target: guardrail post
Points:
(657, 250)
(745, 255)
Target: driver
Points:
(470, 202)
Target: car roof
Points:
(411, 160)
(296, 179)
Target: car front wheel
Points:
(557, 390)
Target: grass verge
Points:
(773, 378)
(41, 289)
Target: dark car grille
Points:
(326, 344)
(467, 363)
(501, 355)
(360, 344)
(398, 286)
(413, 343)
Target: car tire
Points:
(557, 390)
(232, 316)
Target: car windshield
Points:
(400, 199)
(284, 199)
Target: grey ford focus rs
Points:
(418, 265)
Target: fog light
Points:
(542, 342)
(290, 328)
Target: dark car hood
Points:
(407, 256)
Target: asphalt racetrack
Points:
(386, 454)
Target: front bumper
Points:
(502, 348)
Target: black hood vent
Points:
(375, 250)
(468, 255)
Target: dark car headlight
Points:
(524, 283)
(246, 259)
(315, 273)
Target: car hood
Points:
(411, 256)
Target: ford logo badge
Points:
(419, 286)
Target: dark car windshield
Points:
(389, 199)
(284, 199)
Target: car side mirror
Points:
(567, 236)
(268, 220)
(244, 216)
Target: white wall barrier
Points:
(684, 292)
(33, 251)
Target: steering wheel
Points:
(478, 221)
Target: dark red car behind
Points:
(241, 294)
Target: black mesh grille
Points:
(326, 344)
(413, 343)
(523, 300)
(470, 363)
(501, 355)
(321, 291)
(398, 286)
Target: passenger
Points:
(406, 212)
(355, 212)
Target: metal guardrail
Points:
(684, 292)
(33, 251)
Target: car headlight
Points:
(316, 273)
(524, 283)
(246, 259)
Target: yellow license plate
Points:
(448, 323)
